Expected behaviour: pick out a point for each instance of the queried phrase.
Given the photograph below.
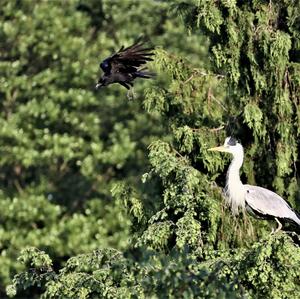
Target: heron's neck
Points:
(235, 191)
(233, 174)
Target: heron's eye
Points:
(232, 141)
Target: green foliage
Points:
(40, 270)
(268, 269)
(255, 45)
(108, 274)
(122, 198)
(64, 145)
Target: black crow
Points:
(124, 66)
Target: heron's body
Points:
(265, 203)
(258, 200)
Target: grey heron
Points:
(257, 200)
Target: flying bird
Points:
(257, 200)
(126, 65)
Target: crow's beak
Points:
(98, 85)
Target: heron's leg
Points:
(278, 228)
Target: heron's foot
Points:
(131, 94)
(279, 227)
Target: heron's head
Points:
(231, 145)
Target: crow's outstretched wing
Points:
(127, 60)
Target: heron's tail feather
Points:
(296, 219)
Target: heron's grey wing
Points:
(268, 203)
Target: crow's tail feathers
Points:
(143, 73)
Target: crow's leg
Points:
(130, 93)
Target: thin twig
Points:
(215, 99)
(217, 129)
(211, 130)
(206, 74)
(189, 79)
(177, 153)
(18, 186)
(198, 72)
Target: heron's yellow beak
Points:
(221, 148)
